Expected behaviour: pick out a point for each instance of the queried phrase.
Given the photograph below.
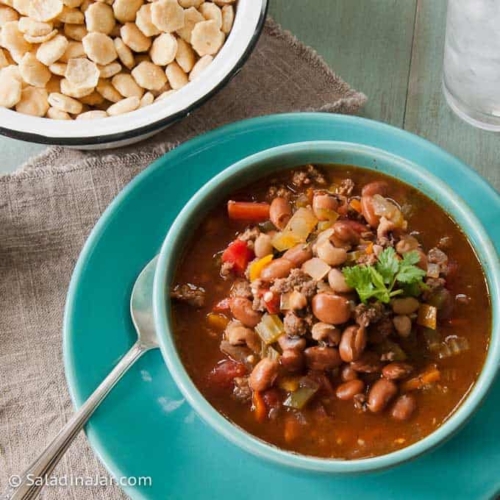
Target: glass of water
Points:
(471, 76)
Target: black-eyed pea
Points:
(211, 12)
(407, 305)
(337, 281)
(144, 21)
(333, 256)
(167, 15)
(67, 88)
(92, 115)
(124, 106)
(10, 90)
(124, 53)
(164, 49)
(191, 18)
(126, 10)
(33, 102)
(57, 114)
(99, 48)
(99, 18)
(185, 56)
(33, 71)
(149, 76)
(201, 65)
(13, 40)
(65, 103)
(76, 31)
(134, 38)
(127, 86)
(107, 91)
(177, 78)
(207, 38)
(109, 70)
(263, 245)
(44, 10)
(227, 18)
(147, 99)
(71, 16)
(326, 334)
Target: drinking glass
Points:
(471, 76)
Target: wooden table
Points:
(392, 50)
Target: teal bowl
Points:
(321, 152)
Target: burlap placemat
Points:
(48, 208)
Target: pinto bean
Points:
(264, 374)
(293, 343)
(347, 231)
(348, 373)
(292, 360)
(280, 212)
(368, 362)
(353, 343)
(381, 393)
(330, 308)
(333, 256)
(404, 407)
(397, 370)
(298, 254)
(323, 202)
(368, 211)
(322, 358)
(408, 305)
(349, 389)
(263, 245)
(278, 268)
(323, 332)
(337, 282)
(242, 310)
(375, 187)
(402, 324)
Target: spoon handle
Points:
(27, 485)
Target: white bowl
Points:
(145, 122)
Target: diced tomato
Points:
(273, 305)
(239, 255)
(259, 407)
(222, 305)
(245, 210)
(223, 374)
(272, 398)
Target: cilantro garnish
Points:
(388, 278)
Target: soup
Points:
(331, 311)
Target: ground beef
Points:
(242, 391)
(307, 176)
(241, 288)
(364, 315)
(346, 187)
(193, 295)
(226, 270)
(444, 243)
(278, 192)
(296, 280)
(294, 326)
(249, 235)
(437, 256)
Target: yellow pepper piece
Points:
(217, 321)
(257, 265)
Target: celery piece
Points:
(270, 328)
(300, 397)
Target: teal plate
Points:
(145, 428)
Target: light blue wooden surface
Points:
(389, 49)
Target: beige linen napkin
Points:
(49, 206)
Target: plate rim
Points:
(236, 128)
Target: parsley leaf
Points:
(388, 278)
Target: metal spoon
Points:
(141, 310)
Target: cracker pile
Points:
(87, 59)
